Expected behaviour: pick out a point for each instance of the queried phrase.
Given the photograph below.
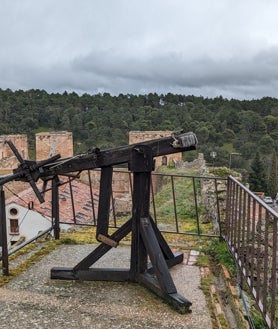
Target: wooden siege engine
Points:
(147, 241)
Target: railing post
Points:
(3, 233)
(196, 205)
(217, 208)
(273, 311)
(72, 202)
(55, 208)
(174, 204)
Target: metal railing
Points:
(185, 211)
(251, 233)
(178, 203)
(193, 204)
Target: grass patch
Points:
(218, 251)
(175, 202)
(81, 235)
(258, 320)
(203, 260)
(87, 235)
(183, 196)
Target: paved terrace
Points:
(32, 300)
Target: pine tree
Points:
(273, 177)
(257, 177)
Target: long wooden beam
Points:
(103, 158)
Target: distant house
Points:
(26, 216)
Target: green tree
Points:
(271, 123)
(203, 134)
(257, 175)
(220, 124)
(273, 177)
(251, 127)
(246, 149)
(266, 144)
(229, 135)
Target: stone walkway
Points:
(32, 300)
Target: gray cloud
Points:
(213, 48)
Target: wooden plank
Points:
(92, 274)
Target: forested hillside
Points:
(222, 126)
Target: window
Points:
(13, 218)
(13, 212)
(14, 229)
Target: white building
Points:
(23, 223)
(26, 216)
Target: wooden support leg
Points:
(157, 259)
(162, 283)
(147, 239)
(104, 202)
(170, 257)
(139, 257)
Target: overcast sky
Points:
(200, 47)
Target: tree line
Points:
(231, 133)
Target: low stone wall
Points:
(198, 163)
(213, 195)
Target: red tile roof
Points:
(77, 209)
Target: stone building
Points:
(51, 143)
(7, 158)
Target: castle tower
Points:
(52, 143)
(142, 136)
(7, 158)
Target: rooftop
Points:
(80, 207)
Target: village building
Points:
(26, 217)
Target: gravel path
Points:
(32, 300)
